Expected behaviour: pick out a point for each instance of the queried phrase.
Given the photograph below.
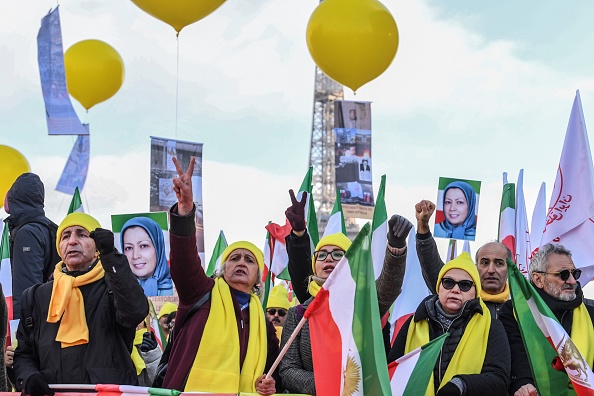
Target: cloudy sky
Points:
(475, 89)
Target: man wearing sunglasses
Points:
(555, 278)
(277, 307)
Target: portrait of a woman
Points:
(459, 209)
(144, 245)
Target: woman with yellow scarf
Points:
(227, 345)
(475, 358)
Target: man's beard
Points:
(557, 292)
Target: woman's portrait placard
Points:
(144, 239)
(457, 208)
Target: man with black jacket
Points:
(32, 254)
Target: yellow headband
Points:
(248, 246)
(465, 263)
(83, 220)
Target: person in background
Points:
(82, 323)
(146, 354)
(164, 312)
(143, 243)
(277, 306)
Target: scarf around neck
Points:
(496, 298)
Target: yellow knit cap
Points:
(278, 298)
(337, 239)
(83, 220)
(465, 263)
(244, 245)
(166, 309)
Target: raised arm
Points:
(427, 251)
(298, 247)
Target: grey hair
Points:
(540, 258)
(255, 289)
(509, 252)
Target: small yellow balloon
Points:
(12, 165)
(94, 72)
(352, 41)
(178, 13)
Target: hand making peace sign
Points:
(182, 185)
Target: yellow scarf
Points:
(496, 298)
(216, 366)
(582, 333)
(136, 358)
(470, 352)
(313, 287)
(68, 306)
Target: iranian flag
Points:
(76, 203)
(311, 220)
(278, 257)
(412, 372)
(545, 339)
(336, 220)
(129, 390)
(266, 273)
(507, 215)
(379, 226)
(346, 338)
(6, 271)
(155, 326)
(452, 250)
(217, 253)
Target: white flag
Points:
(539, 216)
(523, 249)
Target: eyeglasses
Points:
(564, 275)
(463, 285)
(321, 255)
(272, 311)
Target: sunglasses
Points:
(272, 311)
(564, 275)
(321, 255)
(463, 285)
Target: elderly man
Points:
(276, 308)
(555, 278)
(490, 260)
(227, 345)
(79, 327)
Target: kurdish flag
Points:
(336, 220)
(507, 216)
(5, 270)
(217, 253)
(346, 338)
(379, 225)
(76, 203)
(545, 339)
(412, 372)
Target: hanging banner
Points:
(60, 115)
(162, 196)
(76, 169)
(352, 154)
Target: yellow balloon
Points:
(94, 72)
(352, 41)
(178, 13)
(12, 165)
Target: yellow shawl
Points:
(216, 366)
(582, 332)
(470, 352)
(136, 358)
(68, 307)
(496, 298)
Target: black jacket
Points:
(30, 242)
(494, 377)
(521, 373)
(114, 306)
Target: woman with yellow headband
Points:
(227, 345)
(475, 358)
(296, 367)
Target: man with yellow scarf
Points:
(82, 323)
(555, 278)
(227, 345)
(490, 261)
(475, 357)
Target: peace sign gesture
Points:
(296, 213)
(182, 185)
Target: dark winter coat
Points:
(114, 306)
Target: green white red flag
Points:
(507, 215)
(277, 255)
(131, 390)
(76, 203)
(336, 220)
(545, 339)
(452, 250)
(311, 220)
(215, 259)
(379, 225)
(412, 372)
(346, 338)
(155, 326)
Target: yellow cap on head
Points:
(244, 245)
(278, 298)
(465, 263)
(166, 309)
(83, 220)
(336, 239)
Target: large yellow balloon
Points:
(178, 13)
(94, 72)
(12, 165)
(352, 41)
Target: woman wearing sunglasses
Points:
(296, 367)
(475, 357)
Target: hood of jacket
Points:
(25, 200)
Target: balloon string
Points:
(177, 85)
